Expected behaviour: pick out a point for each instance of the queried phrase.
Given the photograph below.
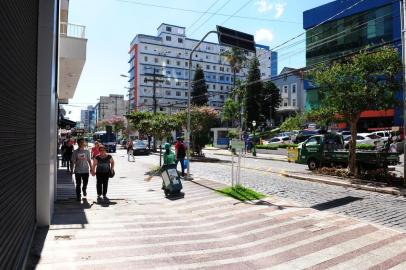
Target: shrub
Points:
(267, 147)
(365, 147)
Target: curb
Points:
(342, 184)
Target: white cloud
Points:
(263, 6)
(263, 34)
(279, 9)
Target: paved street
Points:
(140, 229)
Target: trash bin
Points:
(172, 184)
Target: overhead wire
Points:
(235, 13)
(209, 13)
(323, 22)
(202, 15)
(215, 13)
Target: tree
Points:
(293, 123)
(366, 81)
(141, 121)
(201, 121)
(236, 58)
(118, 123)
(322, 116)
(231, 111)
(271, 100)
(252, 100)
(199, 89)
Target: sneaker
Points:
(105, 198)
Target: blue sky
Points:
(112, 24)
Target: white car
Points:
(384, 134)
(279, 140)
(366, 138)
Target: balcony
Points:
(72, 57)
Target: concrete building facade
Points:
(290, 83)
(112, 105)
(168, 53)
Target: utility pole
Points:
(403, 29)
(155, 79)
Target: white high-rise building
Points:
(167, 54)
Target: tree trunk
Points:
(352, 164)
(160, 155)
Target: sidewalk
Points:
(140, 229)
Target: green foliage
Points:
(241, 193)
(271, 100)
(287, 145)
(365, 147)
(322, 116)
(201, 121)
(293, 123)
(267, 147)
(236, 58)
(366, 81)
(232, 134)
(231, 111)
(252, 100)
(199, 89)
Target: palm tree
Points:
(236, 57)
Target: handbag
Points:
(111, 173)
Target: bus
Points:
(108, 139)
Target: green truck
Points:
(328, 150)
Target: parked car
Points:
(345, 133)
(366, 138)
(384, 134)
(140, 148)
(279, 140)
(303, 135)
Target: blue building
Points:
(331, 35)
(291, 84)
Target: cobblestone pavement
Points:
(388, 210)
(383, 209)
(138, 228)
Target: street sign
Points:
(233, 38)
(237, 144)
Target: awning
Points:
(66, 123)
(376, 114)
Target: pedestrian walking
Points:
(180, 149)
(67, 155)
(95, 149)
(80, 165)
(103, 168)
(130, 151)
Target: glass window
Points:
(294, 88)
(293, 102)
(146, 58)
(178, 83)
(313, 141)
(168, 62)
(168, 38)
(180, 40)
(168, 92)
(178, 93)
(169, 29)
(156, 60)
(186, 64)
(178, 63)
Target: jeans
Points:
(79, 177)
(102, 183)
(182, 165)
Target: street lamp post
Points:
(254, 151)
(188, 102)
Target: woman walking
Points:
(103, 166)
(81, 164)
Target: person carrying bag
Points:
(103, 168)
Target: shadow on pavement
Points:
(335, 203)
(67, 212)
